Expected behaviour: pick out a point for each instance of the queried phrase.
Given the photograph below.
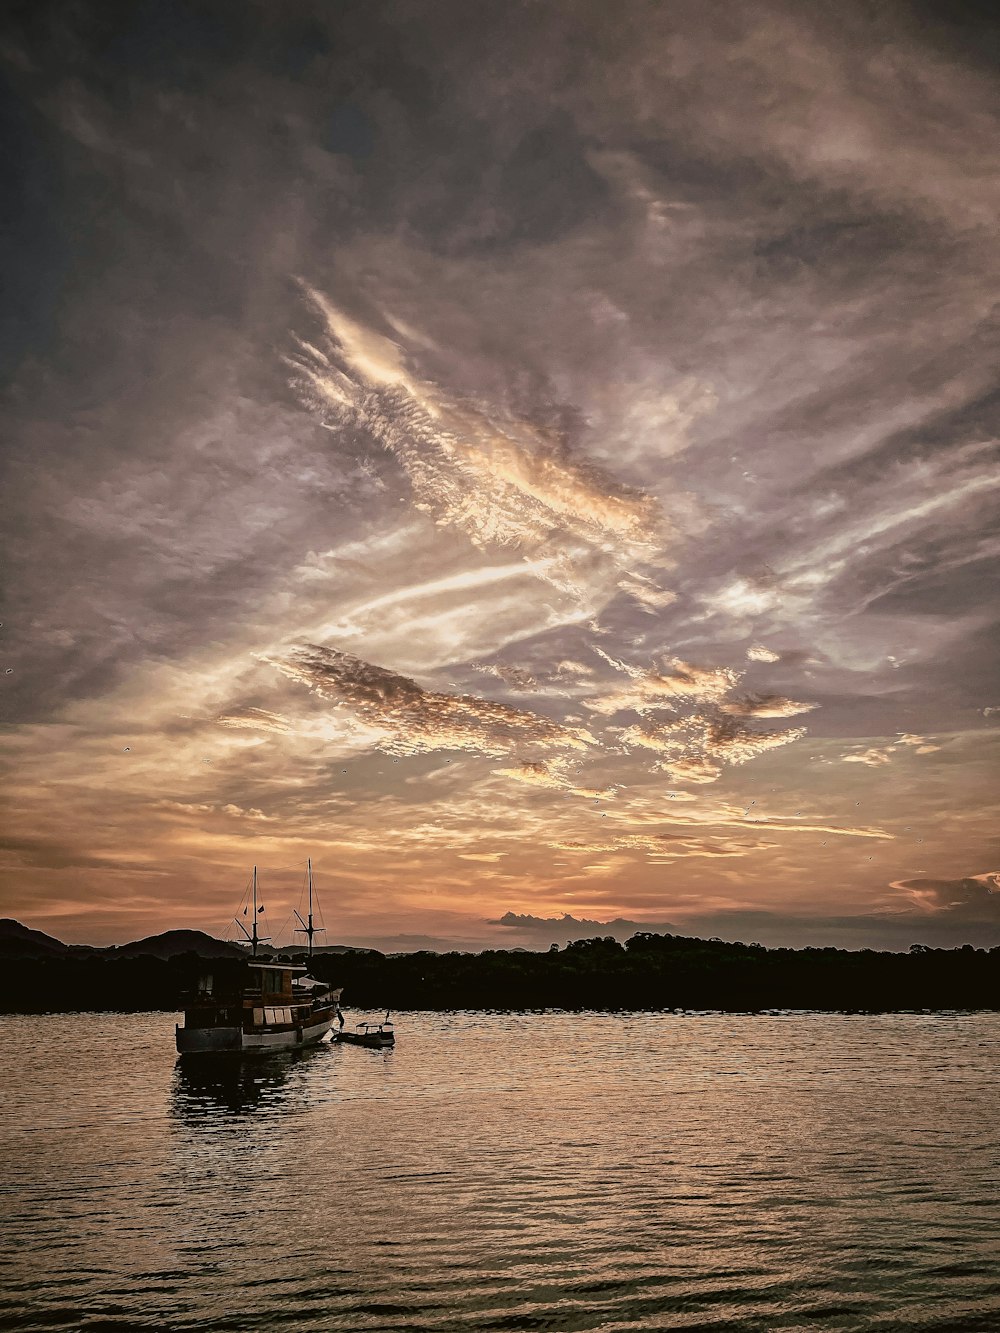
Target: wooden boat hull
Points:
(237, 1041)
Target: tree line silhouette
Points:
(647, 972)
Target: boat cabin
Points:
(226, 994)
(273, 981)
(269, 993)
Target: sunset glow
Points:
(535, 464)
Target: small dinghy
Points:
(376, 1036)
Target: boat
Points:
(377, 1036)
(266, 1007)
(256, 1006)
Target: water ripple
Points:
(563, 1172)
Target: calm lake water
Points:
(497, 1172)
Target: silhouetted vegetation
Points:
(648, 972)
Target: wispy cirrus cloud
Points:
(871, 758)
(733, 742)
(686, 768)
(255, 719)
(515, 677)
(687, 720)
(877, 756)
(704, 810)
(668, 846)
(501, 481)
(554, 774)
(757, 652)
(413, 719)
(654, 688)
(765, 705)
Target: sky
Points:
(537, 460)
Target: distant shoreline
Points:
(652, 973)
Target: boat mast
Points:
(308, 929)
(254, 937)
(309, 864)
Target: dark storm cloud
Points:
(974, 898)
(884, 930)
(539, 932)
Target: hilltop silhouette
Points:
(17, 941)
(172, 943)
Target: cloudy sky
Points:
(536, 459)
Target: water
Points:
(494, 1172)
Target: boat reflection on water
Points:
(206, 1088)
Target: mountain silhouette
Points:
(171, 943)
(17, 941)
